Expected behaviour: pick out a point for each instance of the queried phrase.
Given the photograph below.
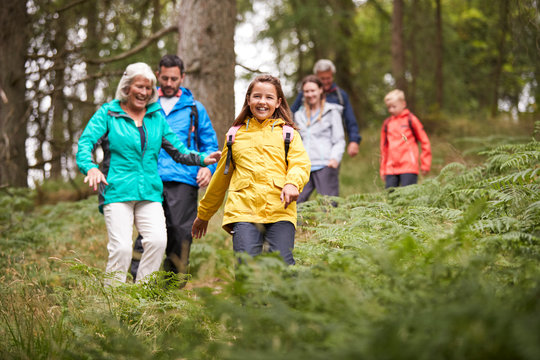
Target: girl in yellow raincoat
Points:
(263, 182)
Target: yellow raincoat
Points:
(257, 177)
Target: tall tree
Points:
(13, 45)
(439, 78)
(206, 45)
(58, 109)
(398, 47)
(413, 50)
(345, 11)
(504, 6)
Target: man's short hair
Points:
(324, 65)
(169, 61)
(395, 94)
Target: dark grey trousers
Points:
(249, 238)
(325, 181)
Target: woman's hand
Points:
(94, 177)
(199, 228)
(333, 164)
(212, 158)
(289, 194)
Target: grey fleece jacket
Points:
(323, 139)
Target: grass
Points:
(447, 269)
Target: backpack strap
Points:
(193, 126)
(230, 136)
(340, 96)
(385, 125)
(386, 130)
(412, 129)
(288, 134)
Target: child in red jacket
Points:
(400, 134)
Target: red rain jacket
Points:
(399, 149)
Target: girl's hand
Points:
(212, 158)
(94, 177)
(199, 228)
(289, 194)
(333, 164)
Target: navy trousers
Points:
(401, 180)
(249, 238)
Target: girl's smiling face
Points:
(263, 100)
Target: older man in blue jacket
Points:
(189, 120)
(325, 70)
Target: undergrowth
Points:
(447, 269)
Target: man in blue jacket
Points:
(325, 70)
(189, 120)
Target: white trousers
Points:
(149, 220)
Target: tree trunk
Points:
(439, 78)
(415, 28)
(206, 45)
(398, 48)
(501, 55)
(13, 48)
(57, 140)
(344, 75)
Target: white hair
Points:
(132, 71)
(324, 65)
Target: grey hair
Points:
(132, 71)
(324, 65)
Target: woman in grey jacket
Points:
(321, 130)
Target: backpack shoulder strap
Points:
(412, 129)
(193, 126)
(288, 134)
(339, 96)
(230, 137)
(385, 126)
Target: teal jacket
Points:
(131, 171)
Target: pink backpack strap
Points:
(231, 134)
(288, 130)
(230, 137)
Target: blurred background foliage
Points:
(472, 59)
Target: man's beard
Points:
(166, 92)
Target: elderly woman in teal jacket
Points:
(132, 130)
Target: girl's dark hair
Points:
(282, 112)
